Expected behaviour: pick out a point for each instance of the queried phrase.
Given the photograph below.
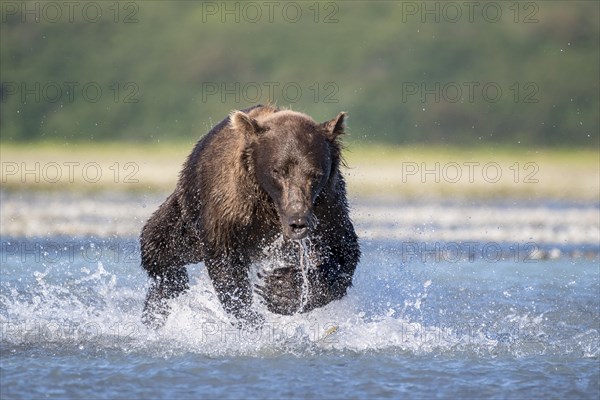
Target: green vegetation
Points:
(168, 70)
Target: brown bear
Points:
(262, 175)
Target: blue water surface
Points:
(418, 326)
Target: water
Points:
(305, 265)
(435, 320)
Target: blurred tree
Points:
(407, 72)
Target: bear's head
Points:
(293, 159)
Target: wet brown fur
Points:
(220, 214)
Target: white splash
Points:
(305, 264)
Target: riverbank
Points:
(373, 171)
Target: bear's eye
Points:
(276, 173)
(315, 176)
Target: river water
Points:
(450, 300)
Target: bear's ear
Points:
(335, 127)
(242, 122)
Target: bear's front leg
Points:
(333, 278)
(165, 287)
(281, 290)
(231, 282)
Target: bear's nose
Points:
(298, 226)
